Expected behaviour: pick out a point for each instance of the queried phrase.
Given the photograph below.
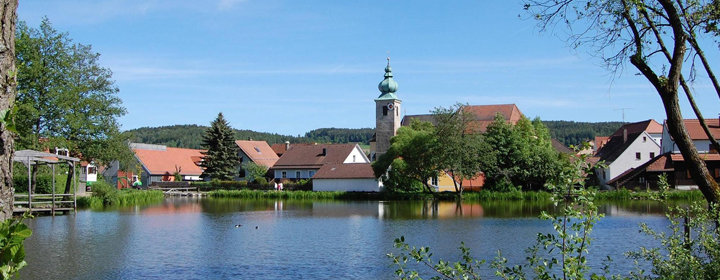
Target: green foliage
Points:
(221, 158)
(412, 155)
(460, 147)
(105, 194)
(254, 172)
(190, 136)
(12, 251)
(260, 180)
(66, 97)
(519, 155)
(575, 133)
(43, 184)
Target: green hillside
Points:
(190, 136)
(574, 133)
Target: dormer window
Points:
(258, 150)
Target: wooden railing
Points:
(45, 203)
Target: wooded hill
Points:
(190, 136)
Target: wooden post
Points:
(687, 244)
(30, 184)
(52, 208)
(75, 189)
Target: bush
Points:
(44, 184)
(260, 180)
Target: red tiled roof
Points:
(650, 126)
(258, 151)
(279, 148)
(710, 157)
(661, 163)
(560, 147)
(601, 141)
(345, 171)
(696, 131)
(159, 162)
(311, 156)
(485, 115)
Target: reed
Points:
(104, 194)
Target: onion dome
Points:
(388, 86)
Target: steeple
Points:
(388, 86)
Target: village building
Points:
(257, 152)
(159, 163)
(628, 147)
(349, 177)
(303, 161)
(672, 163)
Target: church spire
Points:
(388, 86)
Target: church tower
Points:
(387, 113)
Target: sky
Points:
(291, 66)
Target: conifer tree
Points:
(221, 158)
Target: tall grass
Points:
(105, 194)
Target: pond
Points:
(197, 238)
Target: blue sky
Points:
(292, 66)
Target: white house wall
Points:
(292, 173)
(628, 160)
(359, 156)
(348, 185)
(702, 146)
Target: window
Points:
(717, 172)
(92, 170)
(642, 179)
(711, 149)
(385, 109)
(284, 174)
(242, 173)
(297, 174)
(258, 150)
(637, 156)
(434, 181)
(353, 158)
(644, 139)
(652, 154)
(311, 172)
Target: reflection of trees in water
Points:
(638, 207)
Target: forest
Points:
(190, 136)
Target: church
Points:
(388, 120)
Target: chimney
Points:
(624, 135)
(324, 152)
(287, 145)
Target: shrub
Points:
(260, 180)
(43, 184)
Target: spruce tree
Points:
(221, 158)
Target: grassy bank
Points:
(104, 194)
(470, 196)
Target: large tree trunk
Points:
(696, 165)
(8, 20)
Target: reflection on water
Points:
(195, 238)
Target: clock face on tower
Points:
(391, 106)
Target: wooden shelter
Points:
(45, 202)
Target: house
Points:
(682, 178)
(303, 161)
(160, 163)
(445, 182)
(629, 147)
(88, 170)
(349, 177)
(258, 152)
(646, 176)
(280, 148)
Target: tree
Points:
(659, 38)
(8, 9)
(221, 158)
(519, 155)
(254, 171)
(412, 155)
(66, 98)
(460, 144)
